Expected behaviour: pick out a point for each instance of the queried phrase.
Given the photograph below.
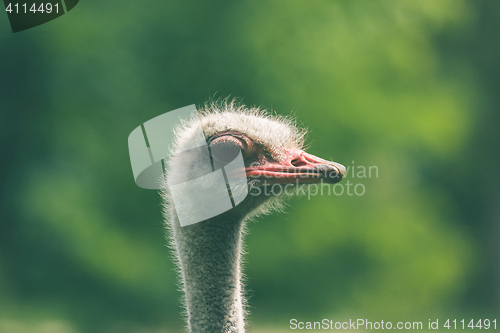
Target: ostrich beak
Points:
(298, 166)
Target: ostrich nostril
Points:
(297, 162)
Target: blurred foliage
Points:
(410, 87)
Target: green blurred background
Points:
(412, 87)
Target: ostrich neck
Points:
(209, 253)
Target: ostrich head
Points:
(272, 148)
(208, 253)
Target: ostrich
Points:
(208, 253)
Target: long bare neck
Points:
(209, 254)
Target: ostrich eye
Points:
(224, 150)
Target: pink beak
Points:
(298, 166)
